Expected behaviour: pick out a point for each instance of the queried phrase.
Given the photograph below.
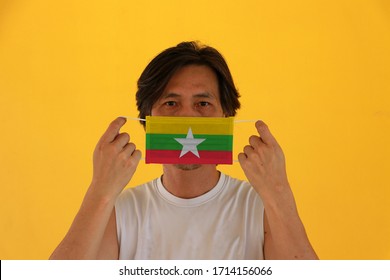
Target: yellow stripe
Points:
(180, 125)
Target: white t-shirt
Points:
(224, 223)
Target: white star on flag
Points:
(189, 144)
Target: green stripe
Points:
(167, 142)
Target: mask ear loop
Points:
(144, 120)
(244, 121)
(133, 119)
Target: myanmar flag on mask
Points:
(189, 140)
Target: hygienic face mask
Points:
(189, 140)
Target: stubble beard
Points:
(187, 167)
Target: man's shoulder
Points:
(140, 190)
(235, 182)
(238, 186)
(240, 190)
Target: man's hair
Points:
(160, 70)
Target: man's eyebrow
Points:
(170, 95)
(204, 95)
(197, 95)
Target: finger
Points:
(255, 141)
(121, 140)
(129, 149)
(113, 130)
(137, 155)
(242, 157)
(265, 133)
(248, 150)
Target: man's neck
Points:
(190, 183)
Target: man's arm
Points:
(92, 234)
(264, 165)
(109, 248)
(286, 238)
(87, 232)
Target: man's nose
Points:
(188, 111)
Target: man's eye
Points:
(170, 103)
(204, 103)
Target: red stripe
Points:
(173, 157)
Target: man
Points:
(192, 211)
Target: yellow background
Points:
(317, 72)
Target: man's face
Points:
(191, 92)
